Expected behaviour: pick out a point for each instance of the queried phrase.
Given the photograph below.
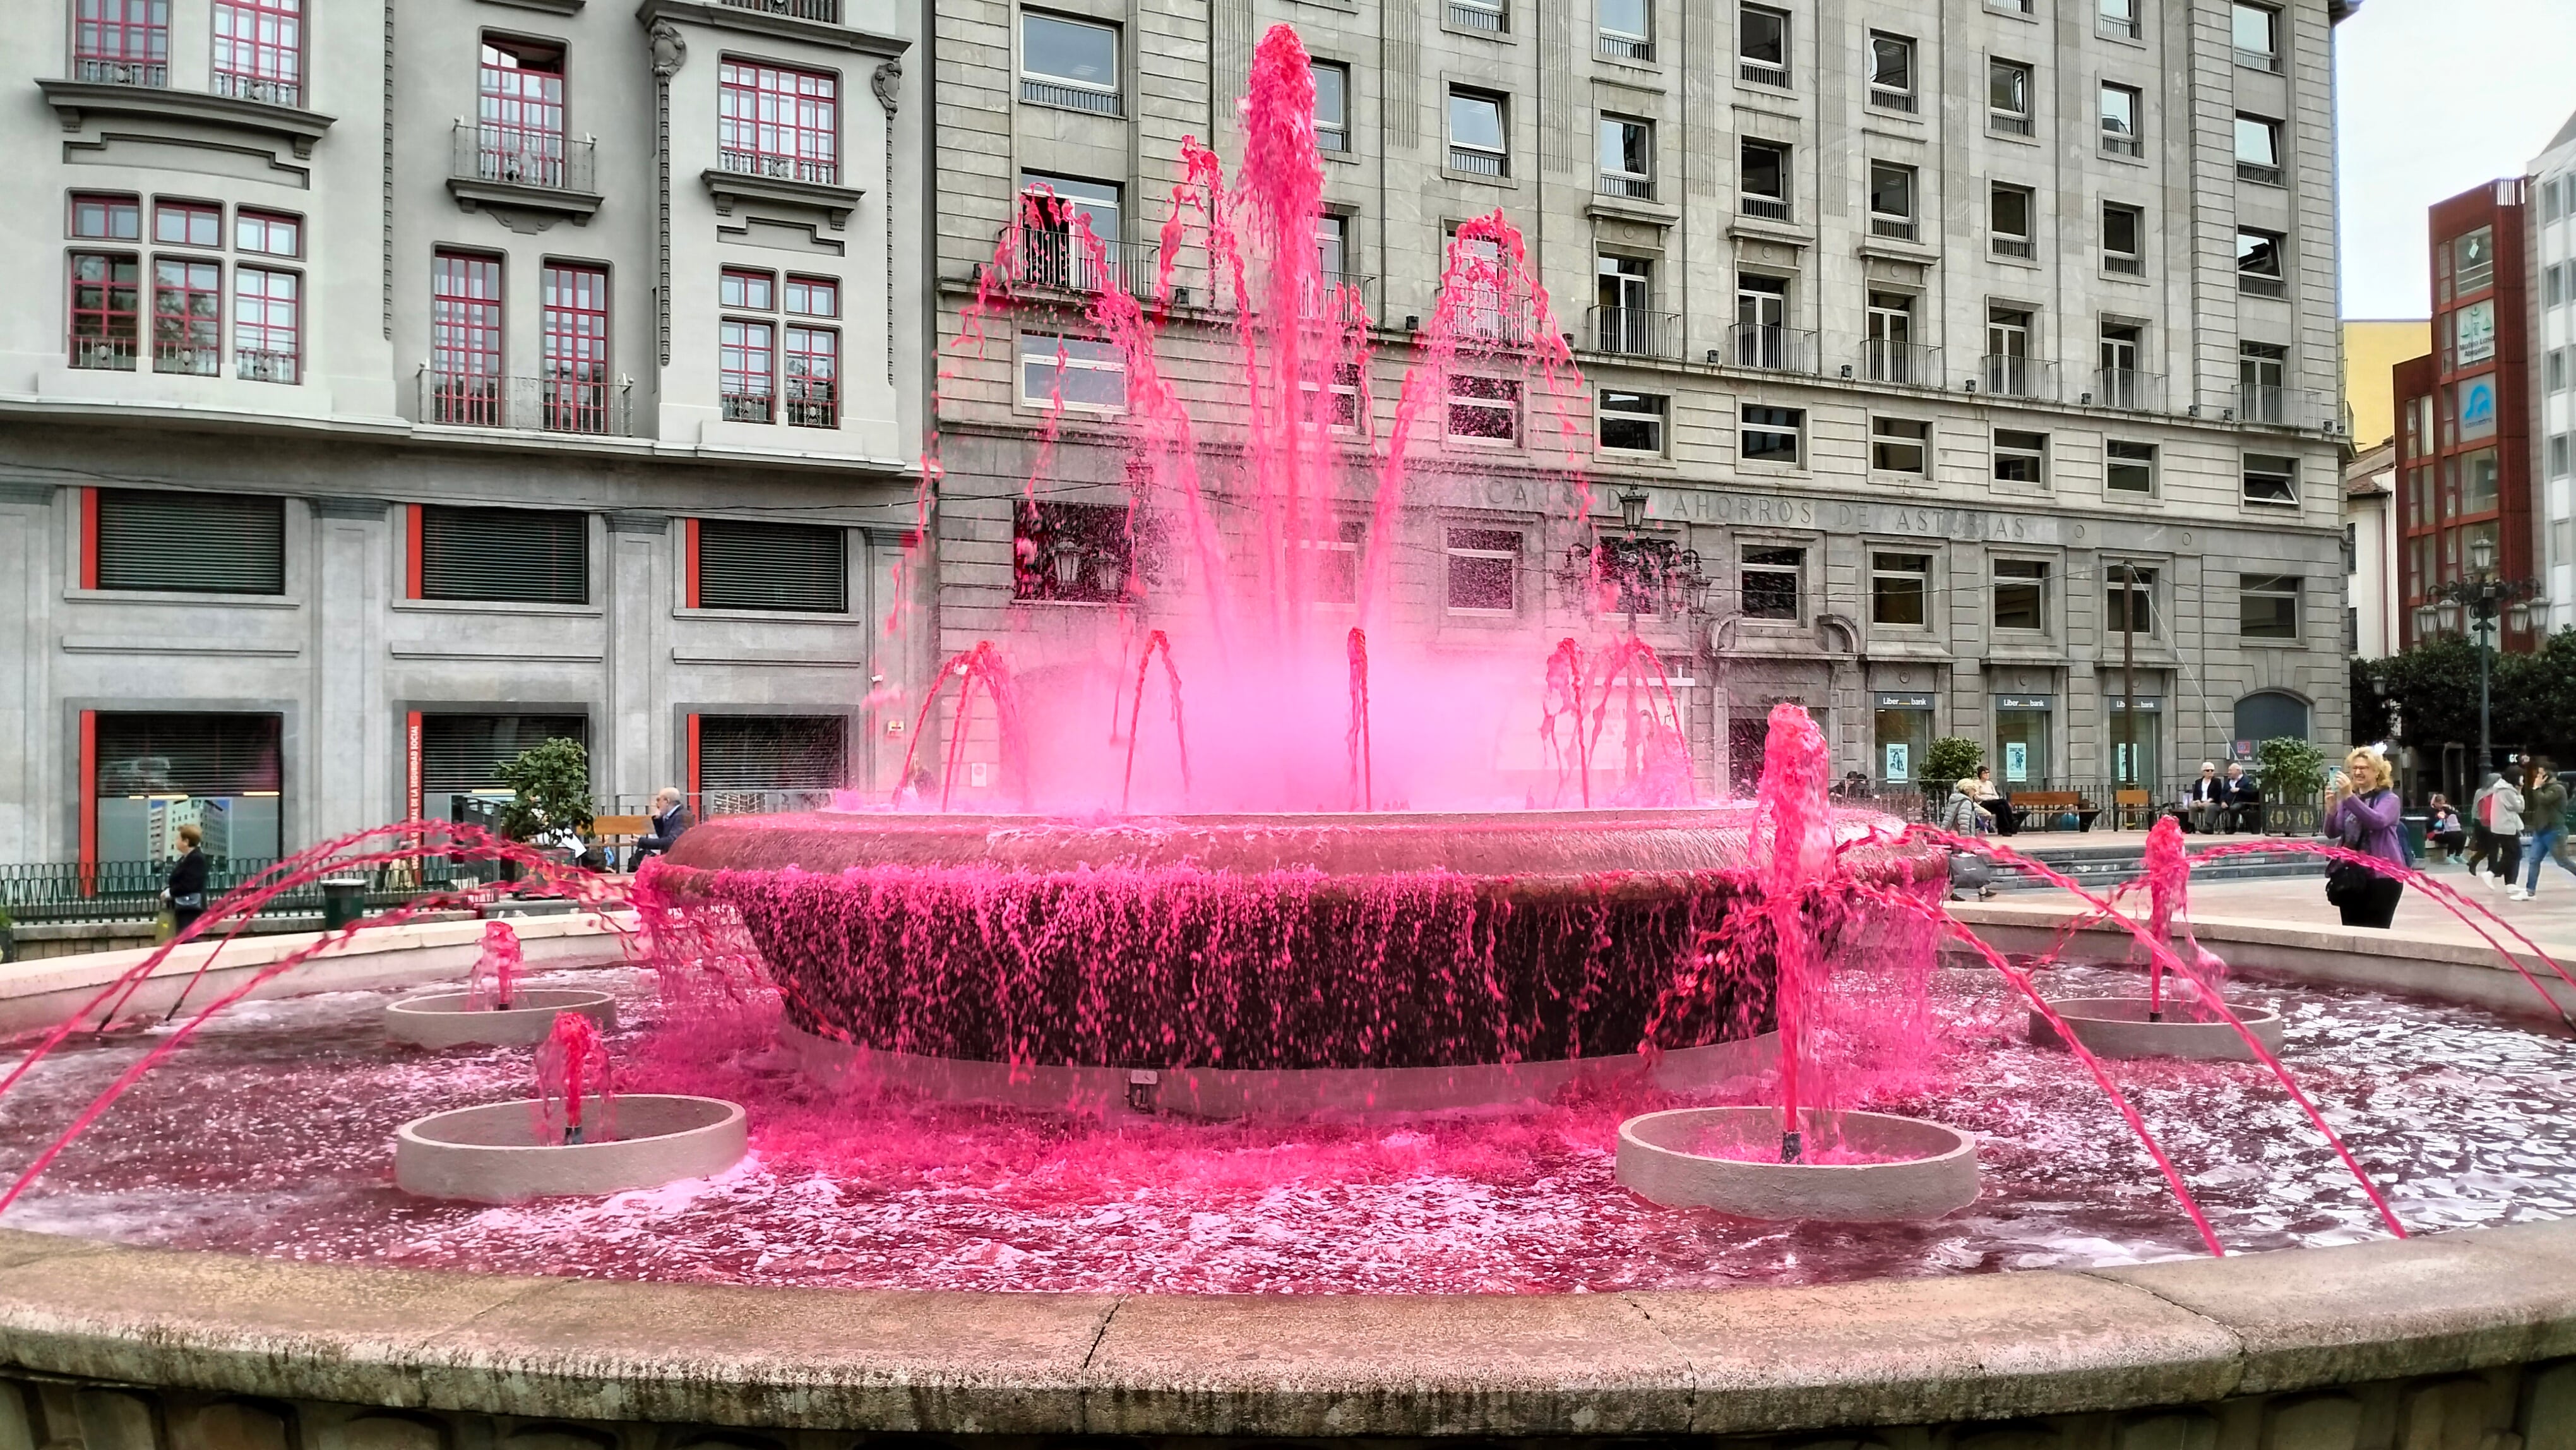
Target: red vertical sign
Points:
(689, 560)
(89, 796)
(693, 767)
(411, 766)
(411, 566)
(89, 538)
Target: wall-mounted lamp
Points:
(1846, 372)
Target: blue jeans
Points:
(2544, 847)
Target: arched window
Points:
(2271, 714)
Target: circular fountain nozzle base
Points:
(452, 1019)
(491, 1154)
(1854, 1167)
(2124, 1027)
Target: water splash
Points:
(576, 1097)
(496, 970)
(1156, 640)
(1363, 761)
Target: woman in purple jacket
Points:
(2364, 815)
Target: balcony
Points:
(1769, 348)
(813, 403)
(1483, 316)
(2129, 389)
(266, 90)
(827, 11)
(187, 360)
(2020, 247)
(2010, 375)
(1763, 73)
(1887, 100)
(2113, 27)
(1635, 332)
(527, 404)
(1909, 364)
(2124, 264)
(806, 169)
(1894, 228)
(100, 88)
(2262, 60)
(532, 178)
(2281, 407)
(104, 70)
(2122, 143)
(1635, 49)
(1490, 19)
(1634, 188)
(254, 366)
(748, 407)
(1062, 97)
(1764, 208)
(1053, 258)
(109, 353)
(2256, 284)
(2258, 173)
(1479, 163)
(2010, 123)
(1359, 287)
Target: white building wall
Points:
(2553, 359)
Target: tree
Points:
(2433, 689)
(2293, 770)
(552, 782)
(1952, 758)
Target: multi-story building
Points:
(1960, 339)
(2550, 285)
(2370, 552)
(2371, 346)
(2464, 455)
(388, 388)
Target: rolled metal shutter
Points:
(195, 754)
(772, 752)
(461, 752)
(531, 556)
(773, 566)
(191, 542)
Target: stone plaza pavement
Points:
(2549, 918)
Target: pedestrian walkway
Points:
(2549, 918)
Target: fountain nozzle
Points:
(1790, 1147)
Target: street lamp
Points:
(2478, 600)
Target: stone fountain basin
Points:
(2118, 1027)
(1930, 1170)
(450, 1019)
(491, 1154)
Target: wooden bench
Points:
(2040, 810)
(2132, 810)
(616, 834)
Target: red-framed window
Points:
(187, 316)
(519, 117)
(746, 367)
(746, 290)
(813, 296)
(259, 50)
(813, 361)
(465, 339)
(772, 120)
(124, 42)
(106, 294)
(269, 233)
(268, 331)
(107, 216)
(188, 223)
(575, 328)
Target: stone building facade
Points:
(389, 387)
(1921, 322)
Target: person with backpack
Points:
(2544, 808)
(2497, 808)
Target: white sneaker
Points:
(2498, 883)
(2517, 894)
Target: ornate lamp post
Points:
(2480, 599)
(1672, 579)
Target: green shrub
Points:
(552, 782)
(2293, 771)
(1953, 758)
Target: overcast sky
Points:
(2436, 96)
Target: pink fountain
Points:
(494, 1010)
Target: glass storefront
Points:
(2021, 759)
(2137, 753)
(1904, 739)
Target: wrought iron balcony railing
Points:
(533, 404)
(1912, 364)
(1770, 348)
(1636, 332)
(515, 157)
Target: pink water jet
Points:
(496, 970)
(575, 1089)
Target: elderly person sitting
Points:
(670, 818)
(2204, 801)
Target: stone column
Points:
(29, 793)
(350, 773)
(631, 755)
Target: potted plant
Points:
(2292, 773)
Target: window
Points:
(2558, 456)
(1773, 435)
(2258, 36)
(2021, 594)
(1897, 585)
(190, 543)
(2477, 481)
(746, 369)
(2128, 599)
(1332, 106)
(1068, 63)
(1477, 142)
(1342, 403)
(1627, 157)
(107, 218)
(744, 762)
(2557, 370)
(1891, 71)
(519, 120)
(2553, 286)
(2261, 368)
(270, 233)
(1625, 323)
(1074, 553)
(106, 296)
(803, 568)
(1484, 569)
(1762, 45)
(2549, 205)
(2267, 606)
(267, 325)
(2120, 112)
(1052, 250)
(187, 316)
(1764, 179)
(121, 42)
(2473, 260)
(2008, 221)
(188, 223)
(573, 324)
(2258, 263)
(2119, 383)
(1333, 562)
(1888, 354)
(2009, 369)
(1770, 585)
(1761, 307)
(813, 296)
(1484, 409)
(1632, 422)
(259, 50)
(774, 121)
(743, 288)
(1899, 445)
(2020, 457)
(2270, 478)
(813, 361)
(2124, 232)
(2129, 467)
(1626, 29)
(2118, 19)
(533, 556)
(2258, 149)
(1079, 374)
(465, 339)
(2008, 97)
(1891, 201)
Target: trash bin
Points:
(343, 902)
(2416, 826)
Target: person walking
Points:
(2365, 816)
(2544, 814)
(2498, 812)
(670, 818)
(186, 891)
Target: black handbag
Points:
(2348, 882)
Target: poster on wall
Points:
(2016, 762)
(2477, 331)
(1899, 763)
(2478, 407)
